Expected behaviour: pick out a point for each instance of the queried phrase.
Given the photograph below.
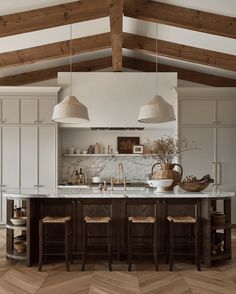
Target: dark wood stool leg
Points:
(84, 249)
(109, 240)
(155, 237)
(168, 242)
(67, 246)
(40, 246)
(129, 245)
(71, 244)
(171, 245)
(197, 245)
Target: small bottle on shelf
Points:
(81, 177)
(75, 177)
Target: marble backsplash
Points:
(135, 167)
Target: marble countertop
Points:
(134, 192)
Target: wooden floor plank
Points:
(16, 278)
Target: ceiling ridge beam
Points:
(183, 73)
(182, 17)
(179, 51)
(51, 73)
(52, 16)
(55, 50)
(116, 8)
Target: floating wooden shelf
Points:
(106, 155)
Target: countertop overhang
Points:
(95, 193)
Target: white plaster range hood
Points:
(114, 99)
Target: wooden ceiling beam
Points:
(52, 16)
(55, 50)
(181, 17)
(106, 62)
(51, 73)
(179, 51)
(116, 24)
(183, 73)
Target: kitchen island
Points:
(118, 204)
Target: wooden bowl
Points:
(20, 246)
(193, 187)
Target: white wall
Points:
(114, 99)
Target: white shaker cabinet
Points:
(207, 115)
(10, 111)
(198, 161)
(47, 138)
(226, 142)
(28, 139)
(29, 111)
(29, 157)
(10, 162)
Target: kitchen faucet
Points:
(120, 171)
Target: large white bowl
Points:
(19, 221)
(160, 185)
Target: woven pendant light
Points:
(157, 110)
(70, 110)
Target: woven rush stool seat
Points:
(184, 220)
(58, 220)
(66, 221)
(139, 220)
(142, 219)
(97, 220)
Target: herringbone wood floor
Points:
(18, 279)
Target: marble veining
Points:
(135, 168)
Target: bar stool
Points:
(184, 220)
(96, 220)
(43, 223)
(137, 220)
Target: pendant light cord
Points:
(156, 64)
(70, 59)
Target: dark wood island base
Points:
(119, 209)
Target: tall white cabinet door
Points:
(0, 111)
(198, 162)
(29, 157)
(47, 156)
(29, 111)
(10, 157)
(45, 111)
(10, 161)
(10, 111)
(226, 142)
